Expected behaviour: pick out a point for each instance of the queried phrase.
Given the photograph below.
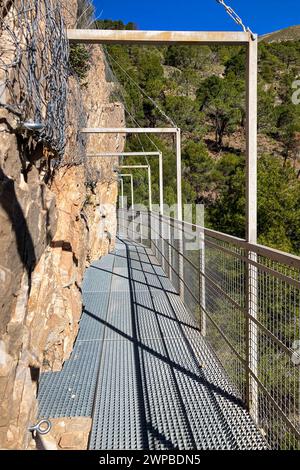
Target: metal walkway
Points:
(140, 367)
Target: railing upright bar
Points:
(180, 264)
(251, 336)
(202, 293)
(161, 184)
(170, 251)
(161, 241)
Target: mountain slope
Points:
(288, 34)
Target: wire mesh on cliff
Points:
(34, 55)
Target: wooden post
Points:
(251, 229)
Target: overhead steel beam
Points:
(94, 36)
(133, 166)
(123, 154)
(129, 130)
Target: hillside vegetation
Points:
(202, 90)
(287, 34)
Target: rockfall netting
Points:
(34, 58)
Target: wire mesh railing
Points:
(246, 299)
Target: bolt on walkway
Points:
(141, 368)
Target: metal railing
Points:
(247, 301)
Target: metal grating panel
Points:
(119, 320)
(116, 417)
(96, 281)
(71, 391)
(121, 261)
(92, 324)
(120, 282)
(141, 369)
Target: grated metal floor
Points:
(140, 367)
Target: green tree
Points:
(278, 202)
(221, 100)
(185, 112)
(203, 88)
(199, 169)
(288, 127)
(187, 82)
(183, 57)
(278, 205)
(287, 52)
(236, 64)
(266, 109)
(113, 24)
(227, 214)
(269, 64)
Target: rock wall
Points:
(53, 222)
(67, 434)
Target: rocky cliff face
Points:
(53, 222)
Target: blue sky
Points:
(261, 16)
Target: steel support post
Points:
(122, 194)
(123, 175)
(170, 249)
(150, 188)
(161, 183)
(121, 211)
(179, 212)
(251, 230)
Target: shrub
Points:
(79, 61)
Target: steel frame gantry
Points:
(147, 130)
(138, 154)
(250, 41)
(148, 168)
